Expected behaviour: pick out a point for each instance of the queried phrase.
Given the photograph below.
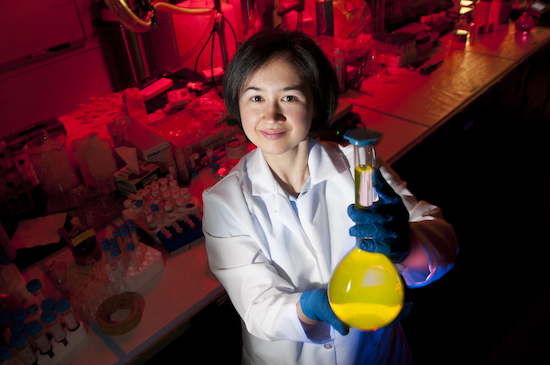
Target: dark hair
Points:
(302, 51)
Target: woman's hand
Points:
(384, 226)
(315, 306)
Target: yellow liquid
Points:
(364, 192)
(366, 292)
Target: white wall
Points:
(55, 86)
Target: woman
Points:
(276, 227)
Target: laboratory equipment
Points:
(365, 290)
(19, 343)
(34, 331)
(133, 256)
(32, 312)
(47, 304)
(49, 318)
(63, 307)
(524, 23)
(34, 287)
(83, 243)
(106, 250)
(5, 356)
(53, 165)
(116, 254)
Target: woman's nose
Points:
(274, 113)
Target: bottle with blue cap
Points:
(107, 252)
(63, 307)
(116, 254)
(34, 287)
(6, 357)
(18, 341)
(49, 318)
(365, 290)
(34, 331)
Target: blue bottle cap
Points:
(47, 304)
(131, 227)
(5, 316)
(116, 232)
(5, 353)
(62, 305)
(123, 232)
(115, 252)
(17, 326)
(139, 203)
(20, 314)
(154, 207)
(32, 328)
(34, 285)
(17, 339)
(48, 316)
(32, 308)
(362, 136)
(129, 221)
(130, 247)
(105, 246)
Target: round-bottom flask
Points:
(365, 290)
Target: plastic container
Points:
(17, 326)
(20, 314)
(53, 164)
(63, 307)
(83, 244)
(19, 343)
(34, 331)
(32, 312)
(365, 291)
(99, 157)
(6, 357)
(49, 318)
(35, 288)
(47, 304)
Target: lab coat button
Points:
(328, 346)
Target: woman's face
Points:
(276, 107)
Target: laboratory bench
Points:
(483, 91)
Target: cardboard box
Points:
(128, 183)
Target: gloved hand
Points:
(384, 226)
(315, 305)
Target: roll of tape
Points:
(110, 306)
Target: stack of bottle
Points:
(33, 331)
(159, 204)
(122, 251)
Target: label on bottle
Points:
(82, 237)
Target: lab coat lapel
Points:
(264, 184)
(314, 216)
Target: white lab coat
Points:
(266, 256)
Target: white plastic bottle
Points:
(99, 157)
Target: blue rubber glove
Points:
(315, 305)
(384, 226)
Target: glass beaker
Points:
(365, 290)
(52, 164)
(100, 196)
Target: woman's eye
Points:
(289, 98)
(256, 98)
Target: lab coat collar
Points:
(324, 162)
